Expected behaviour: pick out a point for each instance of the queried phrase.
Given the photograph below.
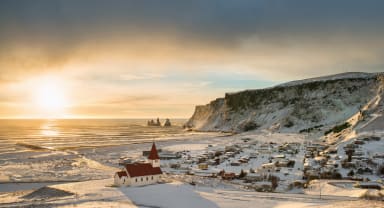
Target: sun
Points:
(49, 97)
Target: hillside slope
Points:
(300, 106)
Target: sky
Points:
(150, 58)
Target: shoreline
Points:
(95, 166)
(84, 155)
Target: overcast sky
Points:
(150, 58)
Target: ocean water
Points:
(26, 135)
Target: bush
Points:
(380, 170)
(291, 163)
(338, 128)
(337, 175)
(351, 173)
(242, 174)
(297, 184)
(308, 130)
(288, 123)
(274, 182)
(250, 126)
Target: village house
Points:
(285, 163)
(265, 148)
(320, 160)
(140, 174)
(369, 185)
(228, 176)
(279, 157)
(203, 166)
(168, 155)
(253, 155)
(331, 151)
(267, 168)
(251, 177)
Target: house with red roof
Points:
(140, 174)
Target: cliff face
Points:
(308, 105)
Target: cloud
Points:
(134, 54)
(277, 35)
(143, 76)
(132, 99)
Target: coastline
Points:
(90, 158)
(175, 190)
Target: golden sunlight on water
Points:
(48, 129)
(29, 134)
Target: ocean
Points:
(17, 135)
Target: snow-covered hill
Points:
(311, 105)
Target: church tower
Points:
(153, 157)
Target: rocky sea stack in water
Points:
(298, 106)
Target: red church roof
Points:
(121, 173)
(142, 169)
(153, 154)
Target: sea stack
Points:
(167, 122)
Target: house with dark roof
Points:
(140, 174)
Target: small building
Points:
(282, 156)
(203, 166)
(264, 150)
(124, 160)
(312, 173)
(250, 177)
(253, 155)
(320, 159)
(235, 164)
(230, 149)
(263, 186)
(331, 150)
(139, 174)
(243, 160)
(213, 162)
(166, 155)
(369, 185)
(282, 163)
(228, 176)
(268, 167)
(311, 148)
(379, 156)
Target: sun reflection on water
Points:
(49, 129)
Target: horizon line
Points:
(79, 118)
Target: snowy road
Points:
(279, 196)
(240, 199)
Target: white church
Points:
(140, 174)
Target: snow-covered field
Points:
(95, 168)
(100, 193)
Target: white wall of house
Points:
(144, 180)
(123, 181)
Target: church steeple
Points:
(153, 157)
